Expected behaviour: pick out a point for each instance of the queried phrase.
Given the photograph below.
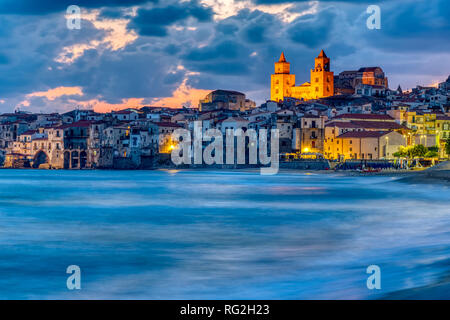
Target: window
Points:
(351, 141)
(317, 79)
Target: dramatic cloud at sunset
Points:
(129, 53)
(52, 94)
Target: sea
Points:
(206, 234)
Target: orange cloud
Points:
(184, 95)
(117, 36)
(103, 106)
(52, 94)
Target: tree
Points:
(447, 147)
(433, 149)
(431, 154)
(401, 153)
(418, 151)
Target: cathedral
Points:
(283, 82)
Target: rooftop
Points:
(358, 116)
(362, 134)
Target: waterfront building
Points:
(165, 140)
(312, 133)
(369, 145)
(357, 123)
(442, 133)
(76, 142)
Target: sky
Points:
(133, 53)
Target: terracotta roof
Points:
(234, 119)
(341, 124)
(322, 54)
(28, 132)
(378, 125)
(78, 124)
(282, 57)
(368, 69)
(168, 124)
(364, 116)
(308, 115)
(362, 134)
(123, 112)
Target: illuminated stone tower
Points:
(320, 86)
(322, 80)
(282, 80)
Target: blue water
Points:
(218, 235)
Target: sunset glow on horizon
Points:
(170, 53)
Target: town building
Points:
(283, 82)
(312, 133)
(226, 99)
(368, 145)
(347, 81)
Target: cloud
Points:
(50, 95)
(99, 105)
(335, 1)
(223, 50)
(313, 30)
(33, 7)
(116, 36)
(283, 10)
(155, 21)
(184, 95)
(130, 52)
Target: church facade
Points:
(321, 83)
